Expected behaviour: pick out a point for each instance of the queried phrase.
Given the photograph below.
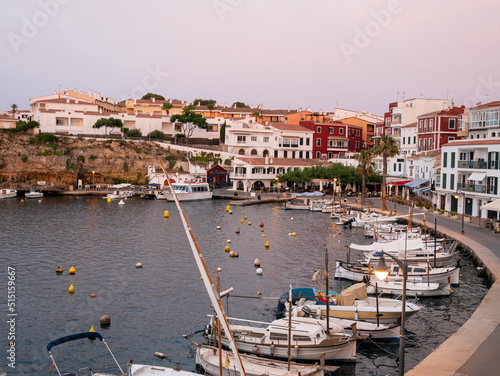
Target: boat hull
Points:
(192, 196)
(8, 193)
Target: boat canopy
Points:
(309, 194)
(73, 337)
(350, 294)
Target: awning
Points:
(424, 189)
(493, 205)
(477, 176)
(416, 183)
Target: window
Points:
(425, 144)
(451, 124)
(285, 154)
(420, 144)
(452, 165)
(452, 182)
(318, 129)
(307, 155)
(253, 138)
(415, 140)
(276, 154)
(266, 139)
(420, 125)
(403, 140)
(301, 141)
(341, 130)
(330, 130)
(399, 169)
(318, 155)
(444, 181)
(445, 160)
(241, 139)
(425, 125)
(451, 139)
(301, 154)
(431, 125)
(318, 142)
(430, 143)
(394, 168)
(307, 141)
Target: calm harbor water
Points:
(153, 307)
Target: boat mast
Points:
(207, 279)
(327, 294)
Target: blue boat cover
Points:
(310, 194)
(72, 337)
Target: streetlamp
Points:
(334, 189)
(382, 271)
(463, 209)
(394, 196)
(93, 172)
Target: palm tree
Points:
(365, 168)
(167, 106)
(385, 146)
(257, 116)
(14, 108)
(210, 107)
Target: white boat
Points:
(422, 271)
(414, 287)
(120, 194)
(208, 358)
(353, 303)
(363, 329)
(35, 192)
(191, 191)
(7, 193)
(309, 339)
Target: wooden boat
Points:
(309, 339)
(191, 191)
(35, 192)
(363, 329)
(353, 303)
(8, 193)
(208, 357)
(421, 271)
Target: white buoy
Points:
(291, 219)
(257, 262)
(218, 227)
(259, 271)
(228, 241)
(230, 212)
(121, 202)
(138, 265)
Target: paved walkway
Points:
(473, 349)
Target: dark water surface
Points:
(153, 307)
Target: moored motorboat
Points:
(353, 303)
(309, 339)
(120, 194)
(35, 192)
(414, 287)
(8, 193)
(189, 191)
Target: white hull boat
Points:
(35, 192)
(188, 192)
(309, 339)
(8, 193)
(208, 358)
(413, 288)
(119, 195)
(421, 271)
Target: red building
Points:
(218, 176)
(334, 138)
(437, 128)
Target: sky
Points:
(318, 53)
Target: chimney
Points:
(308, 108)
(153, 99)
(170, 100)
(288, 108)
(135, 100)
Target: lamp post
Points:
(334, 189)
(394, 196)
(93, 173)
(382, 271)
(463, 210)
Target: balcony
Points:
(472, 164)
(477, 188)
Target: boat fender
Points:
(271, 349)
(356, 316)
(207, 330)
(296, 348)
(255, 348)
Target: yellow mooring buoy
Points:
(166, 214)
(71, 289)
(72, 270)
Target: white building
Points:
(408, 140)
(470, 169)
(484, 121)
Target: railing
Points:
(478, 188)
(472, 164)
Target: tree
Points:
(14, 108)
(223, 132)
(155, 96)
(240, 105)
(167, 106)
(108, 123)
(204, 102)
(257, 116)
(387, 147)
(365, 168)
(189, 121)
(211, 107)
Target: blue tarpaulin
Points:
(415, 183)
(310, 194)
(72, 337)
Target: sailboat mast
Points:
(207, 279)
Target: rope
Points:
(381, 348)
(161, 336)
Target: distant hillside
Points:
(26, 159)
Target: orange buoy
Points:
(261, 224)
(93, 295)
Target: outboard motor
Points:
(282, 304)
(307, 311)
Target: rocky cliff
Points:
(26, 159)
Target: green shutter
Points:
(452, 182)
(496, 160)
(489, 159)
(453, 160)
(444, 179)
(495, 188)
(445, 157)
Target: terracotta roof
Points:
(63, 100)
(491, 104)
(449, 112)
(278, 161)
(289, 127)
(409, 125)
(278, 112)
(473, 142)
(430, 153)
(245, 110)
(7, 118)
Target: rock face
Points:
(26, 159)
